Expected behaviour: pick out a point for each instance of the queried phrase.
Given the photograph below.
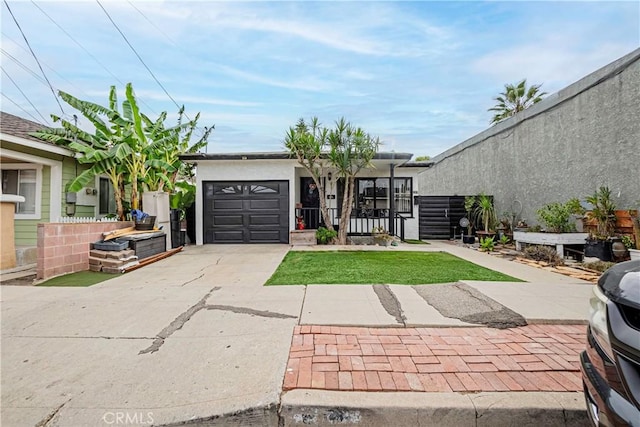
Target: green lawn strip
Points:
(373, 267)
(81, 278)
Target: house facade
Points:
(39, 171)
(260, 197)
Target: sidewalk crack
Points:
(390, 303)
(250, 311)
(177, 323)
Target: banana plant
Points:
(104, 150)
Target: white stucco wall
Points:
(287, 170)
(243, 170)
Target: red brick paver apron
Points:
(530, 358)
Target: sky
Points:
(419, 75)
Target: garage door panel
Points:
(246, 212)
(228, 236)
(273, 204)
(228, 205)
(271, 220)
(228, 220)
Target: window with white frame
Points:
(24, 180)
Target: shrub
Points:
(325, 236)
(504, 239)
(556, 216)
(598, 265)
(543, 253)
(487, 244)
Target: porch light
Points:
(329, 176)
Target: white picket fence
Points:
(83, 219)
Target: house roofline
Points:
(423, 165)
(280, 155)
(35, 144)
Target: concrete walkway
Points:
(197, 335)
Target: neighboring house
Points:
(39, 171)
(585, 136)
(257, 197)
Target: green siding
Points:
(26, 229)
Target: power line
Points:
(76, 42)
(149, 21)
(23, 94)
(34, 55)
(20, 107)
(86, 51)
(24, 67)
(139, 57)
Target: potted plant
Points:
(557, 216)
(469, 202)
(325, 236)
(603, 215)
(486, 213)
(183, 196)
(381, 236)
(559, 227)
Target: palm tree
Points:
(514, 99)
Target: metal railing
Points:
(360, 223)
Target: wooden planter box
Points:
(624, 222)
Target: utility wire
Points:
(24, 67)
(86, 51)
(139, 57)
(150, 22)
(34, 55)
(20, 107)
(46, 65)
(77, 43)
(23, 94)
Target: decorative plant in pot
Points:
(469, 202)
(486, 213)
(381, 236)
(603, 214)
(557, 216)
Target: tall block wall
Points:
(574, 141)
(64, 248)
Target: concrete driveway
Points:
(197, 335)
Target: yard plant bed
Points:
(374, 267)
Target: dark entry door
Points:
(246, 212)
(439, 216)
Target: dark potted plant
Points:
(603, 214)
(469, 202)
(183, 196)
(486, 213)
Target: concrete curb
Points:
(323, 408)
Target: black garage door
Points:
(246, 212)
